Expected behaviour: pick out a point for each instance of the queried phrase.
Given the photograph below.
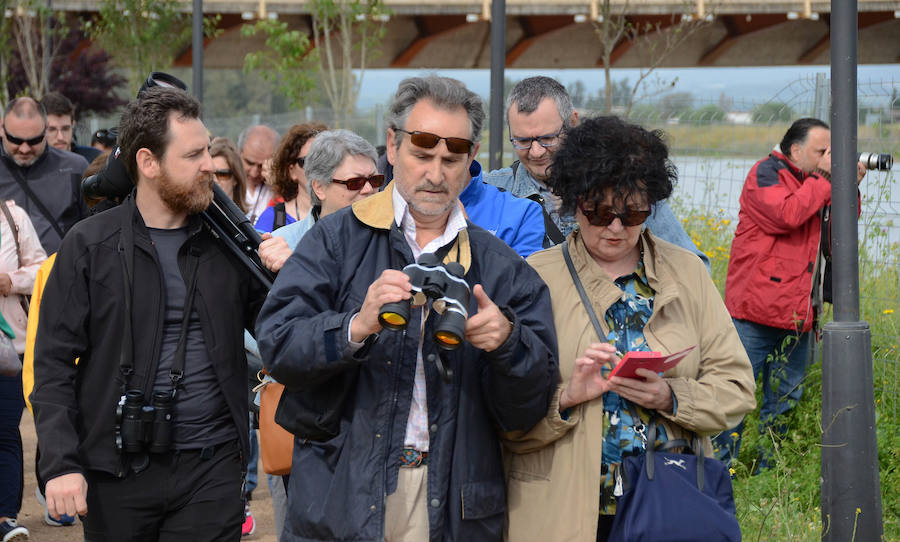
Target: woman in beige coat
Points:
(648, 295)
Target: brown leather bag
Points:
(276, 446)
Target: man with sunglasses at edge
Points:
(40, 178)
(410, 455)
(538, 113)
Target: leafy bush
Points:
(783, 502)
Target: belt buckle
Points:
(412, 458)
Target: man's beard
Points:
(192, 198)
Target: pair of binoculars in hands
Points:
(449, 293)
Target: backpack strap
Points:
(4, 207)
(280, 219)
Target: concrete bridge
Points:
(551, 34)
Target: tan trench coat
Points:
(553, 470)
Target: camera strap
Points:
(176, 373)
(126, 257)
(126, 356)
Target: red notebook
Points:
(653, 361)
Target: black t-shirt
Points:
(201, 415)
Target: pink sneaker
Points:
(249, 525)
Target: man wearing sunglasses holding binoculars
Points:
(394, 451)
(42, 179)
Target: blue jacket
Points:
(662, 222)
(339, 486)
(517, 221)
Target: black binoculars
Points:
(445, 286)
(140, 426)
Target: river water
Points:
(713, 185)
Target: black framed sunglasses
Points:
(223, 174)
(19, 141)
(604, 215)
(357, 183)
(428, 140)
(300, 161)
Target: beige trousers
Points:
(406, 510)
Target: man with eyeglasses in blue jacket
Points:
(539, 111)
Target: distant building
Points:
(739, 117)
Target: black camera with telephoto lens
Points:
(141, 427)
(445, 286)
(872, 160)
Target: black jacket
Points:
(82, 314)
(338, 492)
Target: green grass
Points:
(783, 503)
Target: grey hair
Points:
(258, 129)
(444, 92)
(25, 107)
(528, 94)
(327, 152)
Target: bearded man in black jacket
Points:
(152, 305)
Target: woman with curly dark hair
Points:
(229, 172)
(288, 178)
(648, 295)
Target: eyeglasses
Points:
(429, 141)
(19, 141)
(300, 160)
(604, 216)
(549, 140)
(223, 174)
(356, 183)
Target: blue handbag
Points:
(674, 497)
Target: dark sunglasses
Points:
(356, 183)
(604, 216)
(429, 141)
(19, 141)
(300, 160)
(223, 174)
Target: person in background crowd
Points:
(61, 125)
(648, 295)
(775, 270)
(256, 145)
(104, 139)
(229, 173)
(539, 112)
(411, 455)
(179, 291)
(40, 178)
(288, 178)
(21, 255)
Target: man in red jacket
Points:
(775, 268)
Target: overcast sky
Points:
(753, 85)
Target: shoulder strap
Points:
(17, 175)
(13, 227)
(552, 233)
(580, 287)
(280, 216)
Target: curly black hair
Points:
(607, 153)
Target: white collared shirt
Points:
(417, 424)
